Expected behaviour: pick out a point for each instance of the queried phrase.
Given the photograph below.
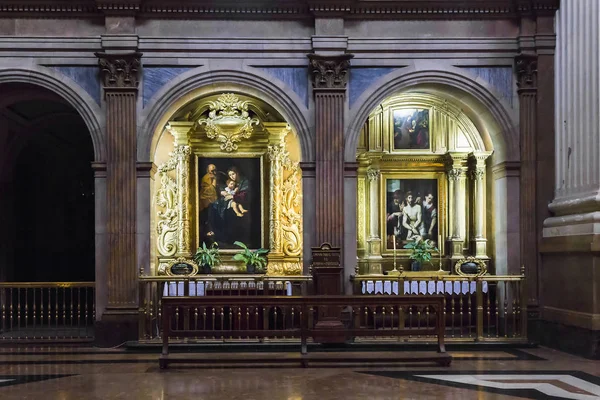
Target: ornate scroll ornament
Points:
(166, 200)
(120, 70)
(330, 72)
(373, 174)
(229, 121)
(526, 68)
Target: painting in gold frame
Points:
(411, 129)
(230, 201)
(414, 206)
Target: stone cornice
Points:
(294, 9)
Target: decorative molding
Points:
(301, 9)
(120, 70)
(526, 69)
(330, 72)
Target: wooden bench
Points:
(298, 317)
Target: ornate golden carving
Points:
(229, 121)
(166, 198)
(181, 260)
(182, 153)
(286, 221)
(361, 215)
(480, 265)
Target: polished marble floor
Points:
(88, 373)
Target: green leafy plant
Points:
(208, 256)
(421, 250)
(256, 259)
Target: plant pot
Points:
(251, 268)
(415, 266)
(206, 269)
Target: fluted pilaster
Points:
(330, 76)
(120, 73)
(526, 67)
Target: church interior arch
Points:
(47, 186)
(427, 170)
(195, 152)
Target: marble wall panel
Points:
(295, 78)
(86, 77)
(362, 78)
(156, 77)
(500, 78)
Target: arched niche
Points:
(422, 174)
(197, 148)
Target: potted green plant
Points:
(256, 261)
(207, 257)
(421, 250)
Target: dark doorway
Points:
(47, 188)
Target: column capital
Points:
(526, 69)
(181, 131)
(330, 72)
(120, 71)
(373, 174)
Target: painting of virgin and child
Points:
(229, 201)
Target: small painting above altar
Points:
(411, 129)
(412, 211)
(229, 201)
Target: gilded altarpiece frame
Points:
(439, 181)
(177, 199)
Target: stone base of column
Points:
(456, 248)
(375, 266)
(569, 317)
(374, 244)
(116, 327)
(479, 248)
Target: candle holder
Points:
(440, 253)
(395, 271)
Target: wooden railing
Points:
(46, 311)
(153, 289)
(280, 317)
(489, 308)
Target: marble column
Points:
(477, 175)
(570, 267)
(526, 68)
(120, 79)
(330, 77)
(374, 176)
(457, 171)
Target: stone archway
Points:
(496, 122)
(205, 81)
(47, 187)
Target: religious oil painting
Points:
(229, 201)
(412, 211)
(411, 129)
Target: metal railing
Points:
(485, 308)
(152, 289)
(47, 311)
